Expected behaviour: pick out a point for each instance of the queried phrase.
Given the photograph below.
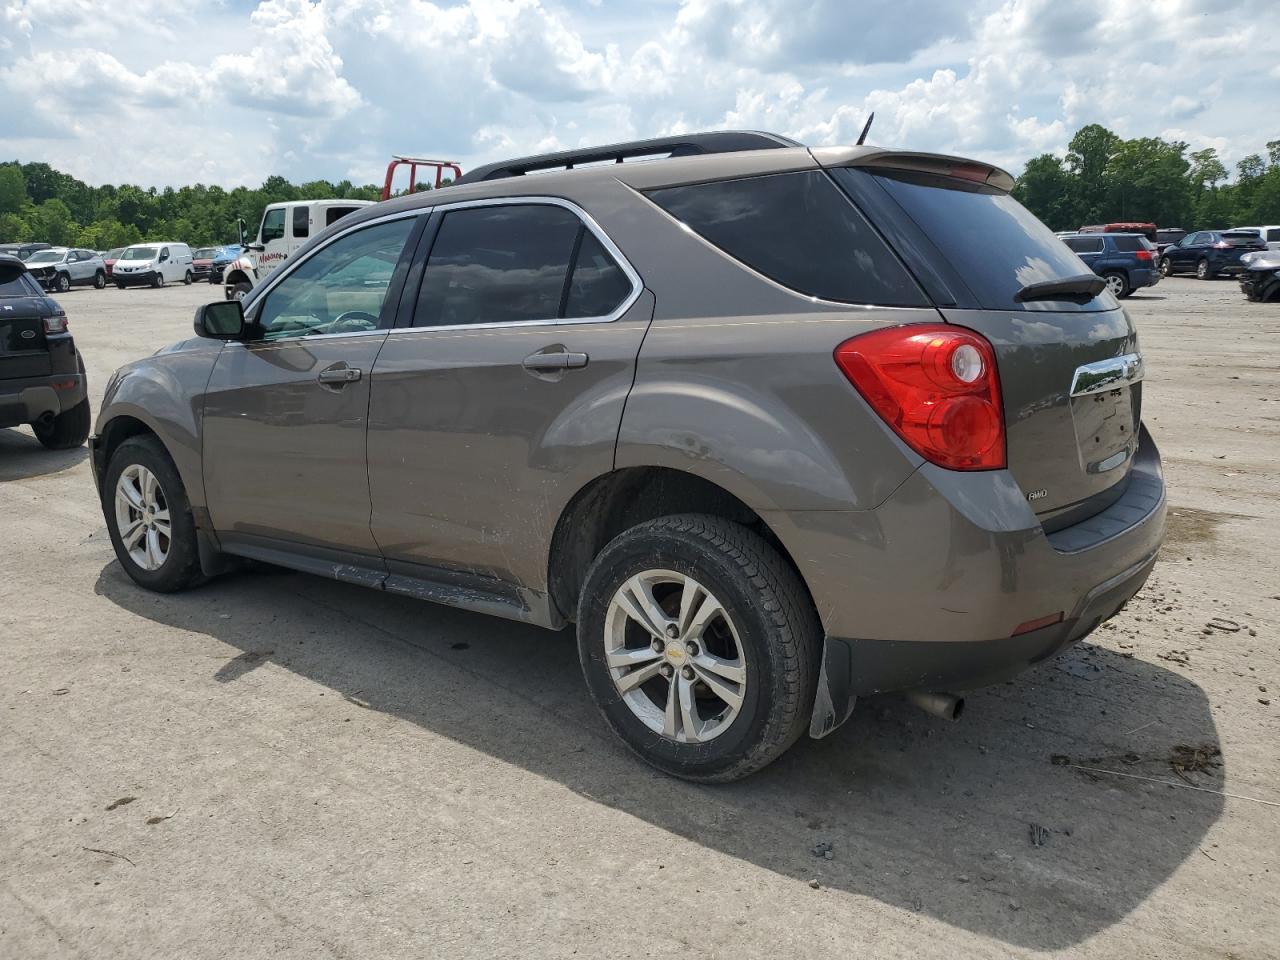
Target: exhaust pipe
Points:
(945, 705)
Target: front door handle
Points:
(555, 361)
(339, 374)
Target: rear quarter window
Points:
(799, 230)
(993, 245)
(1129, 244)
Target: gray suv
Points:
(775, 427)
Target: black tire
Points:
(240, 291)
(1166, 267)
(157, 279)
(67, 430)
(777, 627)
(119, 285)
(181, 567)
(62, 283)
(1204, 271)
(1118, 282)
(99, 280)
(187, 278)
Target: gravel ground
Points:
(281, 766)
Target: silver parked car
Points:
(61, 268)
(775, 427)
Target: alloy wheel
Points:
(142, 517)
(1115, 283)
(675, 656)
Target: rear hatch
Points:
(1069, 372)
(23, 352)
(1242, 242)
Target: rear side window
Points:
(1085, 244)
(333, 214)
(1273, 234)
(1129, 244)
(995, 245)
(799, 230)
(516, 263)
(301, 222)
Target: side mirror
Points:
(220, 320)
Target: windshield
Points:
(46, 256)
(994, 244)
(139, 253)
(205, 253)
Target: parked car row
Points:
(1126, 261)
(154, 263)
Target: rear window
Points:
(1130, 244)
(1240, 236)
(15, 283)
(799, 230)
(1273, 234)
(995, 245)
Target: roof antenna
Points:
(865, 128)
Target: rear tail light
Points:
(55, 324)
(1143, 254)
(1222, 245)
(936, 385)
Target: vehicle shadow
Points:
(22, 456)
(982, 824)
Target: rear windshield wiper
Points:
(1079, 289)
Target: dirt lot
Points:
(280, 766)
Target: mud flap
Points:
(834, 699)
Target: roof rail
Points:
(686, 145)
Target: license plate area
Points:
(1106, 429)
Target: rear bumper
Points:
(929, 590)
(29, 399)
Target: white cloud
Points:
(330, 88)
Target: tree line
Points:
(38, 202)
(1101, 179)
(1106, 179)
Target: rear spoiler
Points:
(939, 164)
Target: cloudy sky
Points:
(229, 91)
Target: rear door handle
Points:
(555, 361)
(339, 374)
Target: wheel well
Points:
(117, 431)
(624, 498)
(236, 276)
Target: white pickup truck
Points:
(284, 228)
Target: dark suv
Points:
(42, 379)
(765, 422)
(1126, 261)
(1208, 253)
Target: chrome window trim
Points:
(637, 285)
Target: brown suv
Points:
(766, 422)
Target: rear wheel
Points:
(99, 280)
(699, 645)
(149, 517)
(67, 430)
(1204, 271)
(1117, 283)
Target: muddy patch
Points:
(1187, 526)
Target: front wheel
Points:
(149, 517)
(187, 278)
(62, 283)
(1204, 271)
(1118, 284)
(1166, 268)
(99, 280)
(157, 279)
(119, 285)
(67, 430)
(240, 291)
(699, 645)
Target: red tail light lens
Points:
(1142, 254)
(55, 324)
(936, 385)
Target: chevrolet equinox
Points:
(775, 427)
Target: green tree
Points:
(52, 222)
(1273, 152)
(13, 189)
(1206, 170)
(1147, 181)
(14, 229)
(1045, 189)
(1088, 156)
